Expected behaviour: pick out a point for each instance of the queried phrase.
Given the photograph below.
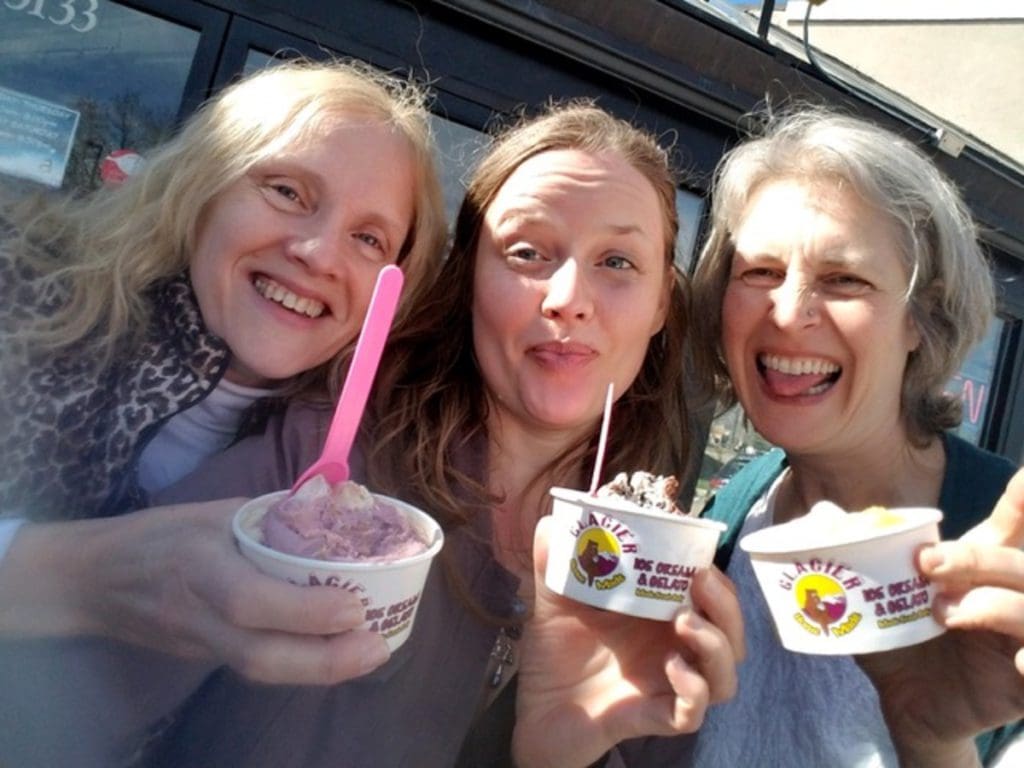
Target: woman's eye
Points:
(374, 247)
(524, 254)
(286, 191)
(617, 261)
(371, 240)
(847, 284)
(761, 276)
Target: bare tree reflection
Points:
(121, 123)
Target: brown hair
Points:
(430, 406)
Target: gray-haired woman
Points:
(841, 287)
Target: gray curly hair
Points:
(950, 295)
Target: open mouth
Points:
(798, 376)
(301, 305)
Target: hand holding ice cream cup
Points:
(627, 548)
(841, 583)
(344, 537)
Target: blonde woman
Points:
(142, 330)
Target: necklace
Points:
(504, 661)
(503, 655)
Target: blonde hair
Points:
(950, 294)
(117, 243)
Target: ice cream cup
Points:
(858, 593)
(610, 553)
(389, 590)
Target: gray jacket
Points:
(415, 710)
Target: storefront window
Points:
(86, 87)
(973, 383)
(458, 148)
(256, 60)
(691, 209)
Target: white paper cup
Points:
(612, 554)
(859, 594)
(389, 590)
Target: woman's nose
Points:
(318, 246)
(794, 303)
(568, 294)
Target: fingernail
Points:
(691, 619)
(676, 663)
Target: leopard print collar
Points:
(72, 434)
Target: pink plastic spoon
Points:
(333, 461)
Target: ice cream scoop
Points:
(343, 522)
(654, 493)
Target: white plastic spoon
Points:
(602, 440)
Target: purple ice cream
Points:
(344, 522)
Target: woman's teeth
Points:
(798, 366)
(817, 389)
(276, 292)
(815, 374)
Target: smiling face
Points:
(570, 284)
(286, 257)
(815, 328)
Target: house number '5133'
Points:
(60, 13)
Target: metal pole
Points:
(767, 9)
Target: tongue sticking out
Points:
(792, 385)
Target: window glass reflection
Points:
(458, 149)
(691, 208)
(973, 383)
(256, 60)
(106, 90)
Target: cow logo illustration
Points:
(597, 553)
(821, 599)
(823, 606)
(596, 558)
